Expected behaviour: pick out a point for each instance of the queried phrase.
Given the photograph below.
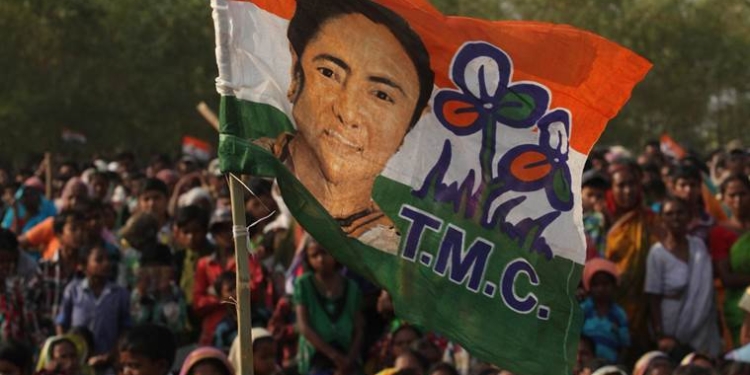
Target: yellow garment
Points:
(45, 356)
(388, 371)
(187, 279)
(628, 243)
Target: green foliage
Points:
(699, 87)
(127, 74)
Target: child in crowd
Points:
(190, 229)
(605, 322)
(264, 353)
(207, 361)
(328, 316)
(58, 271)
(156, 297)
(653, 363)
(153, 199)
(687, 184)
(96, 303)
(140, 231)
(593, 189)
(226, 330)
(206, 301)
(146, 349)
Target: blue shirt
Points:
(106, 316)
(46, 209)
(609, 332)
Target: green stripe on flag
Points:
(426, 290)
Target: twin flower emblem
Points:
(486, 101)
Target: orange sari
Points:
(628, 244)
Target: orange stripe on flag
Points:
(587, 74)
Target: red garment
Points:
(206, 301)
(282, 326)
(720, 241)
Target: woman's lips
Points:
(341, 139)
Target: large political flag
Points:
(440, 157)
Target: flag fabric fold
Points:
(440, 157)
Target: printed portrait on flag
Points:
(360, 81)
(439, 157)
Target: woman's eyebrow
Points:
(386, 81)
(333, 59)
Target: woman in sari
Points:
(628, 241)
(679, 283)
(729, 242)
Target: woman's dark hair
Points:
(155, 184)
(311, 15)
(686, 172)
(156, 254)
(732, 178)
(71, 214)
(214, 362)
(224, 277)
(406, 327)
(152, 341)
(192, 213)
(18, 354)
(673, 200)
(85, 252)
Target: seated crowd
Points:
(112, 269)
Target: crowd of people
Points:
(114, 266)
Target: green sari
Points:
(739, 260)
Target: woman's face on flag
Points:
(358, 96)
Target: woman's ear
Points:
(296, 72)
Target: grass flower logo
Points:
(487, 100)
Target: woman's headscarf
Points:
(200, 354)
(45, 356)
(643, 364)
(607, 370)
(71, 187)
(609, 195)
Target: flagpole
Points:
(244, 317)
(48, 175)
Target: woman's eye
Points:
(383, 96)
(326, 72)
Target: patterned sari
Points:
(628, 242)
(739, 260)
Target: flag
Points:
(670, 147)
(72, 136)
(440, 157)
(197, 148)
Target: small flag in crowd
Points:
(72, 136)
(670, 147)
(197, 148)
(440, 157)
